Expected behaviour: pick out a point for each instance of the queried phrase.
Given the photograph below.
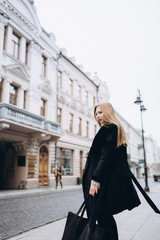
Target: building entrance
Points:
(43, 166)
(7, 165)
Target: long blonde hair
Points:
(109, 116)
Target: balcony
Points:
(15, 114)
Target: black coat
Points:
(108, 165)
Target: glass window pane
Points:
(67, 161)
(15, 38)
(58, 157)
(64, 159)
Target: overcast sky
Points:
(118, 39)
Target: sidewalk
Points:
(22, 192)
(139, 224)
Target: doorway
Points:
(43, 166)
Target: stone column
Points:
(5, 93)
(22, 53)
(1, 42)
(35, 65)
(9, 47)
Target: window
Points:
(21, 161)
(15, 45)
(86, 96)
(94, 101)
(71, 122)
(87, 129)
(24, 101)
(71, 87)
(13, 94)
(59, 115)
(44, 65)
(79, 93)
(59, 79)
(81, 163)
(27, 48)
(1, 89)
(95, 129)
(5, 38)
(64, 158)
(80, 126)
(43, 107)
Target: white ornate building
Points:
(46, 104)
(37, 81)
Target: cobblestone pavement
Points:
(22, 213)
(142, 223)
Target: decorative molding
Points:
(20, 146)
(18, 70)
(18, 18)
(34, 46)
(63, 99)
(46, 87)
(3, 22)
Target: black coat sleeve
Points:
(109, 143)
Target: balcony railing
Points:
(11, 112)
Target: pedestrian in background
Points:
(59, 177)
(107, 175)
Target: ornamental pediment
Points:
(46, 87)
(63, 99)
(18, 70)
(73, 105)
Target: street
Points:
(19, 214)
(22, 213)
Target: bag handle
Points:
(92, 219)
(83, 206)
(148, 199)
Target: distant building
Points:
(46, 105)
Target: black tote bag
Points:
(80, 228)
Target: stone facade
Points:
(46, 105)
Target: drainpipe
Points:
(57, 60)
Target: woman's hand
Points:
(93, 190)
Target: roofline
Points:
(61, 54)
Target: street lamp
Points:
(142, 109)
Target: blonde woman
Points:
(107, 173)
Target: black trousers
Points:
(59, 182)
(105, 221)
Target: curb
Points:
(26, 192)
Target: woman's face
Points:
(99, 115)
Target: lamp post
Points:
(142, 109)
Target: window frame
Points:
(59, 116)
(86, 97)
(12, 95)
(24, 99)
(27, 53)
(16, 45)
(87, 129)
(1, 89)
(80, 126)
(59, 79)
(43, 108)
(5, 37)
(71, 122)
(71, 87)
(44, 66)
(61, 159)
(79, 92)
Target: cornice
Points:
(15, 16)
